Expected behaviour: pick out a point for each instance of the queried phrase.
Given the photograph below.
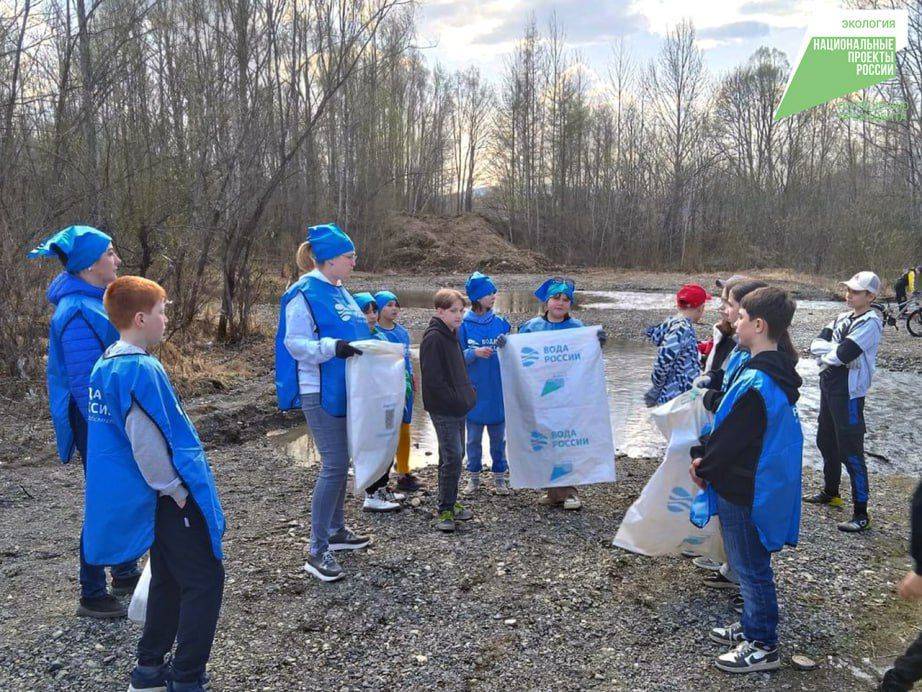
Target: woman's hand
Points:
(696, 479)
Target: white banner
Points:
(375, 390)
(558, 426)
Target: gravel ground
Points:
(524, 597)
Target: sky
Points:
(459, 33)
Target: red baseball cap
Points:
(691, 296)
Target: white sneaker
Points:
(749, 657)
(378, 502)
(502, 484)
(473, 484)
(392, 496)
(572, 502)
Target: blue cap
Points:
(328, 241)
(382, 298)
(364, 299)
(78, 247)
(479, 286)
(554, 287)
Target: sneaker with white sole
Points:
(715, 580)
(572, 502)
(857, 524)
(502, 484)
(346, 540)
(394, 496)
(148, 679)
(730, 635)
(472, 485)
(749, 657)
(324, 567)
(378, 502)
(706, 563)
(736, 603)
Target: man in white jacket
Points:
(846, 350)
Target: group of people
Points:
(149, 486)
(908, 285)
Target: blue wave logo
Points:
(553, 385)
(529, 356)
(680, 500)
(344, 311)
(538, 441)
(694, 540)
(561, 469)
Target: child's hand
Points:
(483, 352)
(696, 479)
(910, 588)
(500, 341)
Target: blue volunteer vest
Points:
(90, 308)
(476, 331)
(777, 490)
(399, 335)
(120, 507)
(336, 316)
(539, 324)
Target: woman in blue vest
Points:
(79, 332)
(477, 334)
(318, 318)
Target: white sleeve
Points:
(301, 335)
(152, 455)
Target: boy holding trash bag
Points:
(749, 470)
(149, 486)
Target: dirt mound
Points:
(430, 243)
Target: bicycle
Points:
(910, 311)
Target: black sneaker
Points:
(408, 483)
(122, 586)
(346, 540)
(749, 657)
(857, 524)
(148, 679)
(103, 608)
(824, 498)
(715, 580)
(736, 602)
(324, 567)
(730, 635)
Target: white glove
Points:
(702, 382)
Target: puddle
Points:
(524, 301)
(891, 410)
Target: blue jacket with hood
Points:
(476, 331)
(754, 456)
(80, 331)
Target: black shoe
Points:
(346, 540)
(857, 524)
(408, 483)
(749, 657)
(736, 602)
(324, 567)
(122, 586)
(715, 580)
(103, 608)
(824, 498)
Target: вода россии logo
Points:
(538, 441)
(344, 312)
(680, 500)
(529, 356)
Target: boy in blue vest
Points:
(80, 330)
(478, 334)
(749, 469)
(149, 486)
(846, 352)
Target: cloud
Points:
(767, 6)
(724, 32)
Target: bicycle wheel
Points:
(914, 322)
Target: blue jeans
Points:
(753, 563)
(93, 577)
(497, 433)
(329, 433)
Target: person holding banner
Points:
(557, 295)
(318, 318)
(477, 334)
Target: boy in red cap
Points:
(677, 363)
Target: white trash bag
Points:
(375, 394)
(137, 609)
(658, 521)
(558, 425)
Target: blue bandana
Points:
(554, 287)
(364, 299)
(78, 247)
(328, 241)
(382, 298)
(479, 286)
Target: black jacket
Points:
(915, 545)
(447, 389)
(737, 443)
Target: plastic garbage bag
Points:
(376, 393)
(137, 608)
(658, 521)
(558, 425)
